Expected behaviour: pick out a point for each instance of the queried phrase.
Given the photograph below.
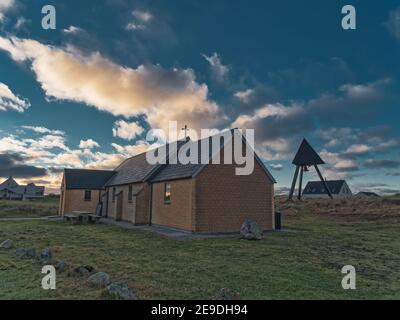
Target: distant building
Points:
(338, 188)
(11, 190)
(368, 194)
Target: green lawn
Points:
(304, 263)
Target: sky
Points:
(85, 94)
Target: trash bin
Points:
(278, 222)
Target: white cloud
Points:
(132, 150)
(143, 16)
(44, 130)
(10, 101)
(72, 30)
(21, 22)
(358, 149)
(393, 23)
(244, 96)
(141, 19)
(127, 130)
(88, 144)
(220, 71)
(276, 167)
(5, 5)
(161, 94)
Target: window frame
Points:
(90, 195)
(130, 194)
(114, 193)
(167, 199)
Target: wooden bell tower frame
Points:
(306, 157)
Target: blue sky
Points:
(85, 94)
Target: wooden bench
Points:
(93, 218)
(82, 217)
(72, 218)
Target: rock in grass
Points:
(100, 279)
(81, 271)
(45, 257)
(250, 230)
(119, 291)
(7, 244)
(61, 266)
(25, 253)
(226, 294)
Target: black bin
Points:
(278, 220)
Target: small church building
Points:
(191, 197)
(338, 189)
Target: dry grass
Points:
(29, 209)
(355, 209)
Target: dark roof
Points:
(317, 187)
(183, 171)
(86, 179)
(306, 155)
(137, 169)
(368, 194)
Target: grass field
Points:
(21, 209)
(302, 263)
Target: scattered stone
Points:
(61, 266)
(250, 230)
(45, 257)
(25, 253)
(226, 294)
(81, 271)
(120, 291)
(100, 279)
(7, 244)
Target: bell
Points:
(306, 169)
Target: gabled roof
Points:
(306, 155)
(9, 182)
(317, 187)
(368, 194)
(86, 179)
(137, 169)
(184, 171)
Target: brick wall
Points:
(178, 214)
(136, 211)
(143, 205)
(74, 200)
(224, 200)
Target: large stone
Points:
(100, 279)
(45, 257)
(250, 230)
(226, 294)
(120, 291)
(25, 253)
(61, 266)
(7, 244)
(81, 271)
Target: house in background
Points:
(367, 194)
(11, 190)
(192, 197)
(338, 188)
